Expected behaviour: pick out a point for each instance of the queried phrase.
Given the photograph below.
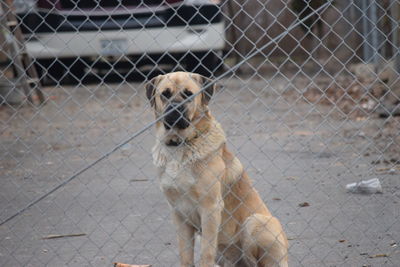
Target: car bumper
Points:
(135, 42)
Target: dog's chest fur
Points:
(177, 181)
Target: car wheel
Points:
(60, 71)
(76, 70)
(204, 63)
(49, 71)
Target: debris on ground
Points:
(62, 236)
(349, 95)
(118, 264)
(389, 170)
(378, 256)
(304, 204)
(138, 180)
(358, 94)
(371, 186)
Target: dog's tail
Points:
(264, 242)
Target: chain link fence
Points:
(307, 95)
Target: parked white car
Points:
(68, 37)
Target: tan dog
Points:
(205, 184)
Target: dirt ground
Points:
(300, 151)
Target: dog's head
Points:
(168, 92)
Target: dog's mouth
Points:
(174, 142)
(176, 117)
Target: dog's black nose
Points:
(176, 117)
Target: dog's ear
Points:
(210, 88)
(151, 87)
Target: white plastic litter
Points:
(371, 186)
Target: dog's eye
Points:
(186, 93)
(166, 94)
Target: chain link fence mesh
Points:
(308, 98)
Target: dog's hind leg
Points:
(264, 242)
(186, 240)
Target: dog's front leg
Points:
(210, 221)
(185, 241)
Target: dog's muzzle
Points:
(176, 116)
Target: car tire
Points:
(203, 63)
(49, 71)
(60, 71)
(76, 71)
